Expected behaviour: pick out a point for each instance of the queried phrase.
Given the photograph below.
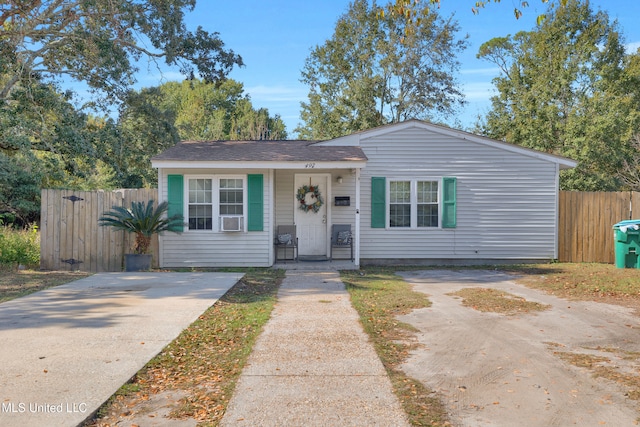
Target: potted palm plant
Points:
(144, 221)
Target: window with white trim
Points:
(231, 196)
(212, 197)
(200, 204)
(414, 203)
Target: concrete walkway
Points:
(313, 365)
(65, 350)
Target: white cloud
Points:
(493, 71)
(481, 91)
(632, 47)
(277, 93)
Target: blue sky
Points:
(274, 37)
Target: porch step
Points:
(313, 258)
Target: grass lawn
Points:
(206, 360)
(588, 282)
(17, 283)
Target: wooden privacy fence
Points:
(585, 223)
(70, 238)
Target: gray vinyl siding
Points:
(284, 197)
(506, 201)
(212, 248)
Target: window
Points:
(400, 203)
(212, 197)
(200, 204)
(427, 203)
(413, 203)
(231, 199)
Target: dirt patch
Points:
(496, 301)
(491, 369)
(151, 411)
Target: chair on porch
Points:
(341, 238)
(286, 238)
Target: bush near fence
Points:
(19, 247)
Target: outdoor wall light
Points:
(339, 179)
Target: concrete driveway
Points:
(66, 350)
(497, 370)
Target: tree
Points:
(407, 9)
(379, 70)
(198, 110)
(96, 42)
(44, 140)
(154, 119)
(145, 127)
(19, 188)
(561, 91)
(247, 123)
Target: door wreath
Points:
(301, 195)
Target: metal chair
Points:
(286, 238)
(341, 238)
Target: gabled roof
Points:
(355, 138)
(342, 152)
(257, 151)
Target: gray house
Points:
(411, 192)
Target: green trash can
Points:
(627, 237)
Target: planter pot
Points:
(137, 262)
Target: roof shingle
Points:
(248, 151)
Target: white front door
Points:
(311, 223)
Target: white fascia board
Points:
(307, 165)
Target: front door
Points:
(311, 222)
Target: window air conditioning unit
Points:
(231, 223)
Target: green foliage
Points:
(144, 220)
(37, 116)
(96, 41)
(565, 89)
(47, 141)
(406, 9)
(19, 246)
(154, 119)
(145, 128)
(197, 110)
(20, 187)
(380, 69)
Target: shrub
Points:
(19, 246)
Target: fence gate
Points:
(70, 238)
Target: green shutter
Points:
(255, 198)
(449, 202)
(378, 202)
(175, 190)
